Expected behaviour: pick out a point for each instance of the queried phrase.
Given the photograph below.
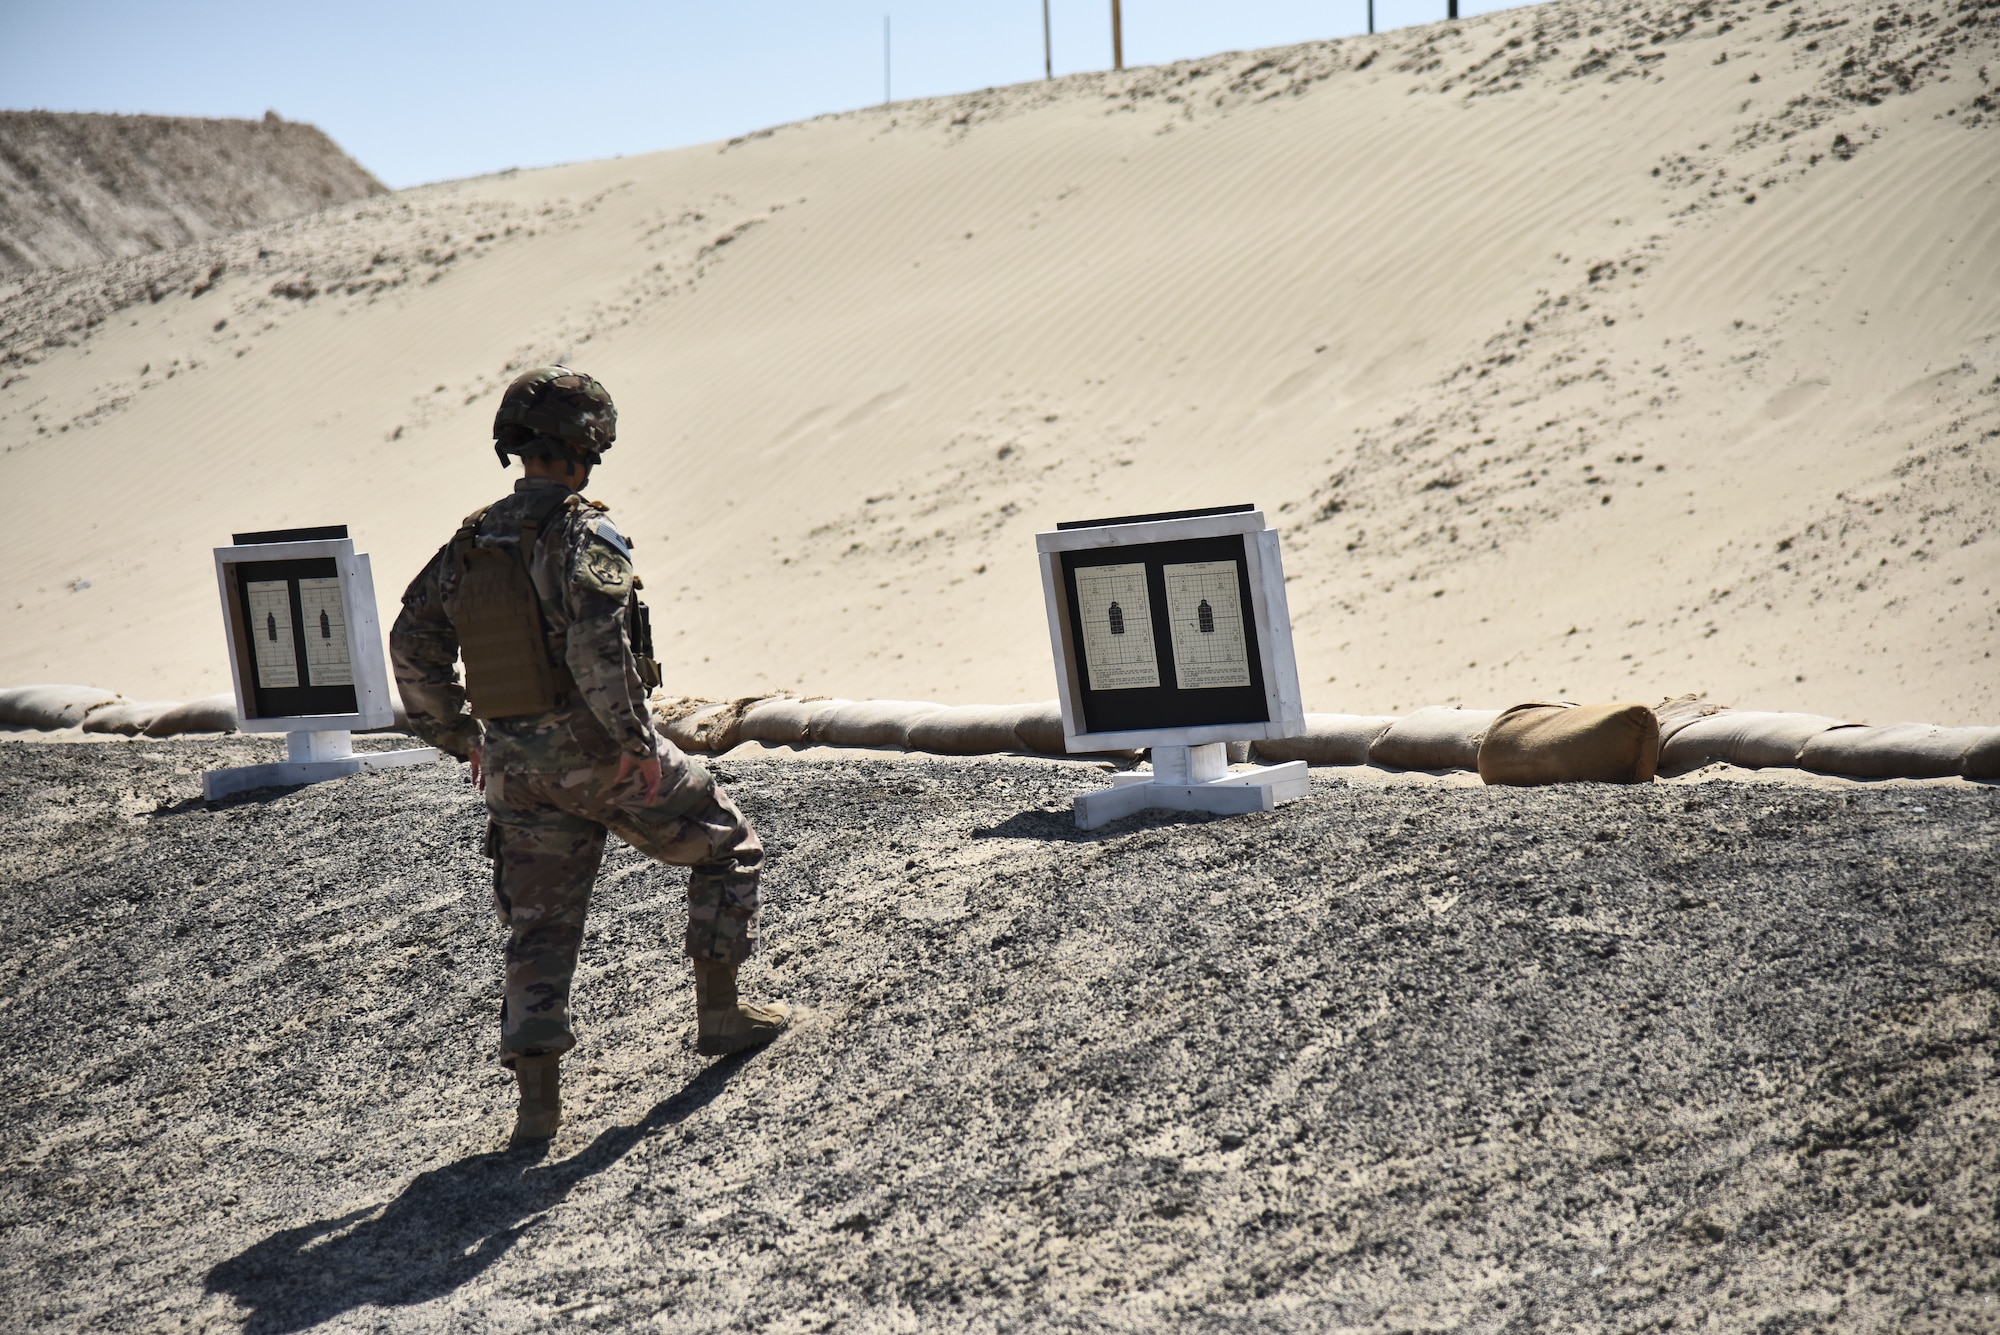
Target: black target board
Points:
(305, 640)
(1227, 682)
(1170, 630)
(296, 648)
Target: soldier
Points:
(536, 593)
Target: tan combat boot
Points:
(725, 1024)
(540, 1112)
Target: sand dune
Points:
(1597, 350)
(77, 188)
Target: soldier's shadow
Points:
(446, 1227)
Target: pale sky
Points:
(428, 90)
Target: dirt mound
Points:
(1580, 1058)
(81, 188)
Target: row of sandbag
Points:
(53, 707)
(1549, 742)
(1537, 743)
(1562, 742)
(912, 725)
(1438, 738)
(1694, 733)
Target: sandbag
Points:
(1440, 737)
(969, 730)
(1040, 728)
(690, 731)
(213, 713)
(49, 707)
(1330, 739)
(1561, 743)
(705, 725)
(1901, 751)
(666, 708)
(781, 720)
(1754, 739)
(1682, 710)
(1982, 758)
(870, 722)
(127, 718)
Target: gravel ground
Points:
(1412, 1058)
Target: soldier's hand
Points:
(478, 775)
(649, 768)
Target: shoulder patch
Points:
(605, 564)
(606, 571)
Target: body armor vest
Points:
(501, 632)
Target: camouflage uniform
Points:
(551, 779)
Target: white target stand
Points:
(1171, 632)
(1193, 778)
(305, 654)
(310, 757)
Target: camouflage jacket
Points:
(582, 571)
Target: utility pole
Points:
(885, 55)
(1048, 51)
(1118, 35)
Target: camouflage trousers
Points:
(547, 839)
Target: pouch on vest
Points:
(639, 628)
(498, 617)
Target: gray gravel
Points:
(1407, 1058)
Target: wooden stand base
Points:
(310, 757)
(1192, 778)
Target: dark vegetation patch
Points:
(1573, 1059)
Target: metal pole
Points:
(1451, 9)
(885, 57)
(1048, 51)
(1371, 18)
(1118, 36)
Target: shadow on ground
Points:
(1059, 827)
(446, 1228)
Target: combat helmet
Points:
(553, 412)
